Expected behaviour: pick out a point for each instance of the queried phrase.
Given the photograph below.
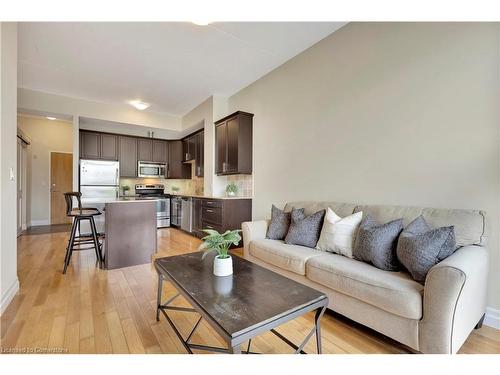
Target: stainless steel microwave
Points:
(150, 169)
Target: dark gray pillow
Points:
(304, 230)
(420, 247)
(280, 221)
(376, 243)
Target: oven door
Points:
(151, 170)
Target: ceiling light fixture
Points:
(141, 106)
(201, 22)
(50, 118)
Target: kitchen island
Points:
(130, 233)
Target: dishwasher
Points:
(187, 214)
(176, 212)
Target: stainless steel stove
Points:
(156, 192)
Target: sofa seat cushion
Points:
(395, 292)
(292, 258)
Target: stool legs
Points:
(69, 248)
(73, 236)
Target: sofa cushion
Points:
(338, 234)
(420, 247)
(394, 292)
(469, 224)
(376, 243)
(292, 258)
(304, 230)
(280, 222)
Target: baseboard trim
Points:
(492, 318)
(35, 223)
(9, 295)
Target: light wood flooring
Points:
(89, 310)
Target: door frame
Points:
(22, 174)
(50, 179)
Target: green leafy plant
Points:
(175, 188)
(231, 188)
(125, 189)
(215, 241)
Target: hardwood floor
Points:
(95, 311)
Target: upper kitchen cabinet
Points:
(233, 144)
(90, 145)
(144, 149)
(160, 151)
(109, 146)
(200, 154)
(189, 148)
(176, 168)
(128, 156)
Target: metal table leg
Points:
(158, 297)
(317, 324)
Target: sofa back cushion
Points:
(469, 224)
(341, 209)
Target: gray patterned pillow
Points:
(420, 247)
(280, 221)
(376, 243)
(304, 230)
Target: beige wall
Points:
(9, 283)
(46, 136)
(384, 113)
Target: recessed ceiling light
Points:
(141, 106)
(50, 118)
(201, 22)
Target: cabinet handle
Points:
(209, 210)
(209, 226)
(223, 166)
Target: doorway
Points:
(21, 185)
(61, 181)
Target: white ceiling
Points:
(172, 65)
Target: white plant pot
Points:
(223, 267)
(231, 193)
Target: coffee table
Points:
(239, 307)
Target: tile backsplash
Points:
(244, 182)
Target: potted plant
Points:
(215, 241)
(125, 189)
(231, 189)
(175, 189)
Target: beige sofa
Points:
(433, 318)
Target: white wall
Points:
(385, 113)
(46, 136)
(9, 283)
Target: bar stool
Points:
(79, 214)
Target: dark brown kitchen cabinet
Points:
(160, 151)
(189, 148)
(109, 147)
(176, 168)
(197, 227)
(200, 154)
(127, 156)
(221, 214)
(90, 145)
(233, 144)
(144, 149)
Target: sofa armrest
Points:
(454, 300)
(253, 230)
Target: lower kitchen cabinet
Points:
(220, 214)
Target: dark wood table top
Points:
(251, 297)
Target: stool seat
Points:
(86, 211)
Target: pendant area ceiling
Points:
(174, 66)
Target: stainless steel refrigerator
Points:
(99, 183)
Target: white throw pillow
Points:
(338, 234)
